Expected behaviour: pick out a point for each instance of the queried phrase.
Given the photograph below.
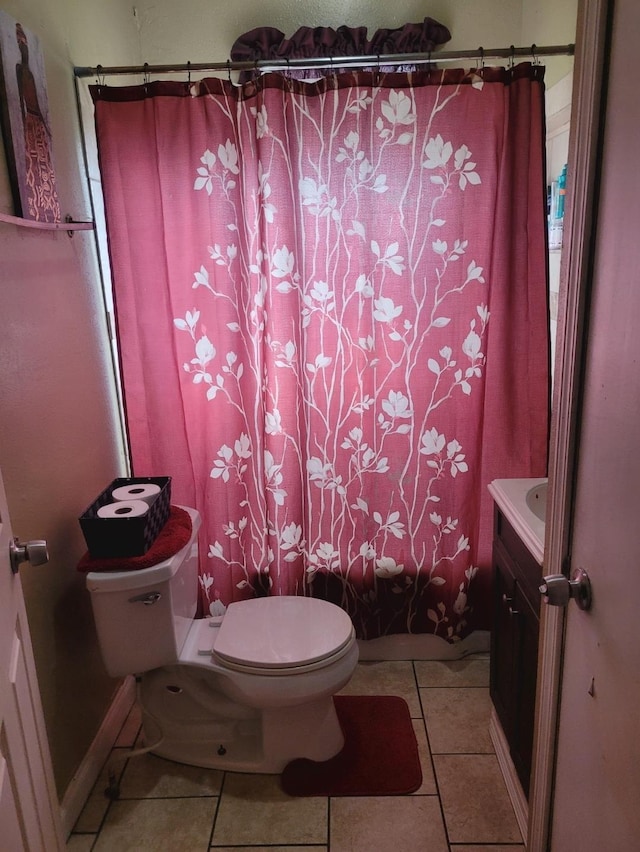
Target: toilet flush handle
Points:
(146, 598)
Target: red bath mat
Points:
(379, 758)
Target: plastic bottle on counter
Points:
(562, 191)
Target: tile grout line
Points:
(217, 809)
(433, 766)
(451, 846)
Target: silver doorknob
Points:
(558, 590)
(34, 551)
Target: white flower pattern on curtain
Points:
(333, 338)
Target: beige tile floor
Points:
(462, 805)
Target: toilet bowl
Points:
(247, 691)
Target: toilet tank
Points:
(142, 617)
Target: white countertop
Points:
(510, 496)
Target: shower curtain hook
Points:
(533, 54)
(146, 78)
(188, 72)
(288, 76)
(229, 70)
(100, 78)
(511, 58)
(481, 50)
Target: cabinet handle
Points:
(507, 601)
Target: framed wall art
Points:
(26, 128)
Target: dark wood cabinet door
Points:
(514, 646)
(525, 689)
(504, 642)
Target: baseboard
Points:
(511, 780)
(82, 782)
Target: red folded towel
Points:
(172, 537)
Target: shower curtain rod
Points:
(481, 54)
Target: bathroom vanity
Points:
(518, 548)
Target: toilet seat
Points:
(282, 635)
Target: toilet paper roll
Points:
(123, 509)
(136, 491)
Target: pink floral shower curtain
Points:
(332, 319)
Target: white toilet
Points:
(247, 691)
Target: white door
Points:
(596, 805)
(29, 815)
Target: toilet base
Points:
(202, 727)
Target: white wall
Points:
(205, 29)
(550, 22)
(59, 438)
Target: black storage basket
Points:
(114, 538)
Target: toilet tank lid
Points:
(115, 581)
